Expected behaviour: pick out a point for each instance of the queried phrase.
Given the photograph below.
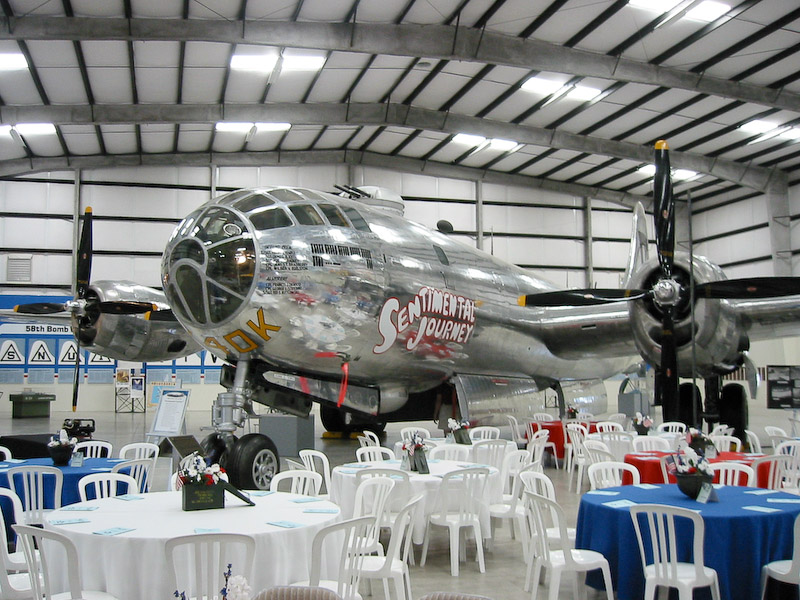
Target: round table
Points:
(343, 488)
(649, 464)
(132, 564)
(746, 529)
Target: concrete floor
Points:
(505, 569)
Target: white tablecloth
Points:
(132, 565)
(398, 446)
(343, 489)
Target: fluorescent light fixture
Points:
(300, 62)
(541, 85)
(757, 126)
(35, 128)
(791, 134)
(468, 139)
(263, 63)
(684, 174)
(5, 129)
(273, 126)
(232, 127)
(660, 6)
(648, 170)
(12, 61)
(503, 145)
(583, 92)
(708, 11)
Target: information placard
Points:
(170, 414)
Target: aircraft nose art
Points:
(209, 267)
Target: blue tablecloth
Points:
(738, 540)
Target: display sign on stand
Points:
(170, 419)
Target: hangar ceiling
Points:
(568, 95)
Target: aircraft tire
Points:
(733, 408)
(332, 419)
(214, 448)
(252, 462)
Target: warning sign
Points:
(69, 352)
(96, 359)
(40, 354)
(10, 354)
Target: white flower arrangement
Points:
(195, 469)
(642, 420)
(688, 461)
(62, 439)
(416, 442)
(236, 588)
(454, 425)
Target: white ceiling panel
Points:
(333, 84)
(111, 85)
(203, 85)
(81, 139)
(334, 11)
(17, 87)
(514, 16)
(89, 8)
(300, 138)
(570, 20)
(194, 138)
(431, 12)
(158, 8)
(119, 139)
(157, 138)
(334, 137)
(245, 86)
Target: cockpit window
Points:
(270, 219)
(216, 225)
(356, 219)
(233, 196)
(441, 255)
(306, 215)
(311, 195)
(335, 216)
(286, 195)
(253, 202)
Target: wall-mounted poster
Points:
(137, 388)
(783, 386)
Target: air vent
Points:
(18, 269)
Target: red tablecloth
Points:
(649, 465)
(556, 429)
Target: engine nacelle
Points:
(130, 337)
(718, 337)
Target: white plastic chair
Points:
(723, 443)
(509, 509)
(372, 496)
(776, 435)
(317, 461)
(13, 560)
(513, 463)
(369, 438)
(647, 443)
(458, 504)
(543, 416)
(489, 452)
(303, 482)
(346, 540)
(610, 473)
(540, 484)
(672, 427)
(596, 451)
(141, 469)
(732, 473)
(778, 463)
(457, 452)
(576, 434)
(620, 418)
(394, 565)
(38, 544)
(27, 482)
(791, 475)
(604, 426)
(94, 449)
(137, 450)
(665, 569)
(398, 496)
(209, 554)
(6, 452)
(373, 453)
(407, 432)
(484, 432)
(785, 571)
(721, 429)
(753, 441)
(561, 556)
(104, 485)
(517, 431)
(619, 443)
(539, 444)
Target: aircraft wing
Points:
(770, 318)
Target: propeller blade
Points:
(75, 382)
(115, 307)
(585, 297)
(162, 315)
(749, 288)
(83, 271)
(39, 308)
(668, 370)
(664, 209)
(751, 373)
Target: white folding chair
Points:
(596, 451)
(458, 504)
(406, 433)
(457, 452)
(619, 443)
(398, 496)
(489, 452)
(141, 469)
(753, 441)
(721, 429)
(791, 474)
(369, 438)
(647, 443)
(776, 469)
(373, 453)
(542, 416)
(394, 565)
(37, 545)
(372, 495)
(604, 426)
(317, 461)
(560, 556)
(197, 563)
(105, 485)
(347, 542)
(724, 443)
(138, 450)
(576, 434)
(6, 452)
(785, 571)
(540, 484)
(513, 463)
(94, 449)
(517, 432)
(509, 509)
(13, 560)
(620, 418)
(663, 567)
(302, 482)
(539, 444)
(28, 482)
(610, 474)
(732, 473)
(672, 427)
(484, 432)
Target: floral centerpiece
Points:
(459, 431)
(236, 588)
(60, 448)
(414, 454)
(572, 412)
(700, 443)
(642, 423)
(692, 469)
(197, 480)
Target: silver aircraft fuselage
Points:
(281, 275)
